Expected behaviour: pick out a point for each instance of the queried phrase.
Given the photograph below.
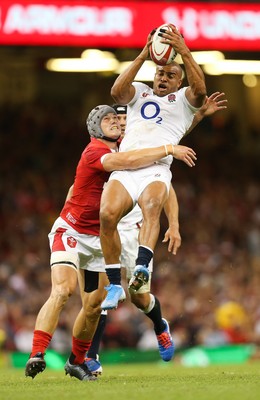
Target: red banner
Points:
(111, 24)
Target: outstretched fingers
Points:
(189, 161)
(185, 154)
(218, 98)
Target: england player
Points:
(74, 240)
(154, 116)
(128, 228)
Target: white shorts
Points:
(135, 181)
(82, 251)
(129, 250)
(75, 249)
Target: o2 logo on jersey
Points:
(151, 110)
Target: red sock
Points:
(41, 341)
(79, 349)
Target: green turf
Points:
(154, 381)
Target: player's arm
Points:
(135, 159)
(123, 91)
(213, 103)
(196, 92)
(172, 235)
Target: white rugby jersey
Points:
(155, 121)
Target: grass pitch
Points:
(154, 381)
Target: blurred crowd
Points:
(209, 291)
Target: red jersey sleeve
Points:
(93, 154)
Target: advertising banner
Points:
(123, 24)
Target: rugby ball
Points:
(161, 53)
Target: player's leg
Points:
(92, 292)
(64, 282)
(143, 299)
(151, 202)
(64, 263)
(115, 203)
(92, 359)
(151, 307)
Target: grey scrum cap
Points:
(94, 119)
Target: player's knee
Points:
(92, 309)
(108, 217)
(62, 293)
(152, 209)
(91, 302)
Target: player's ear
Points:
(179, 83)
(181, 78)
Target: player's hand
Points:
(185, 154)
(174, 38)
(152, 33)
(172, 235)
(145, 52)
(213, 103)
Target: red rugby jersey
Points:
(82, 210)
